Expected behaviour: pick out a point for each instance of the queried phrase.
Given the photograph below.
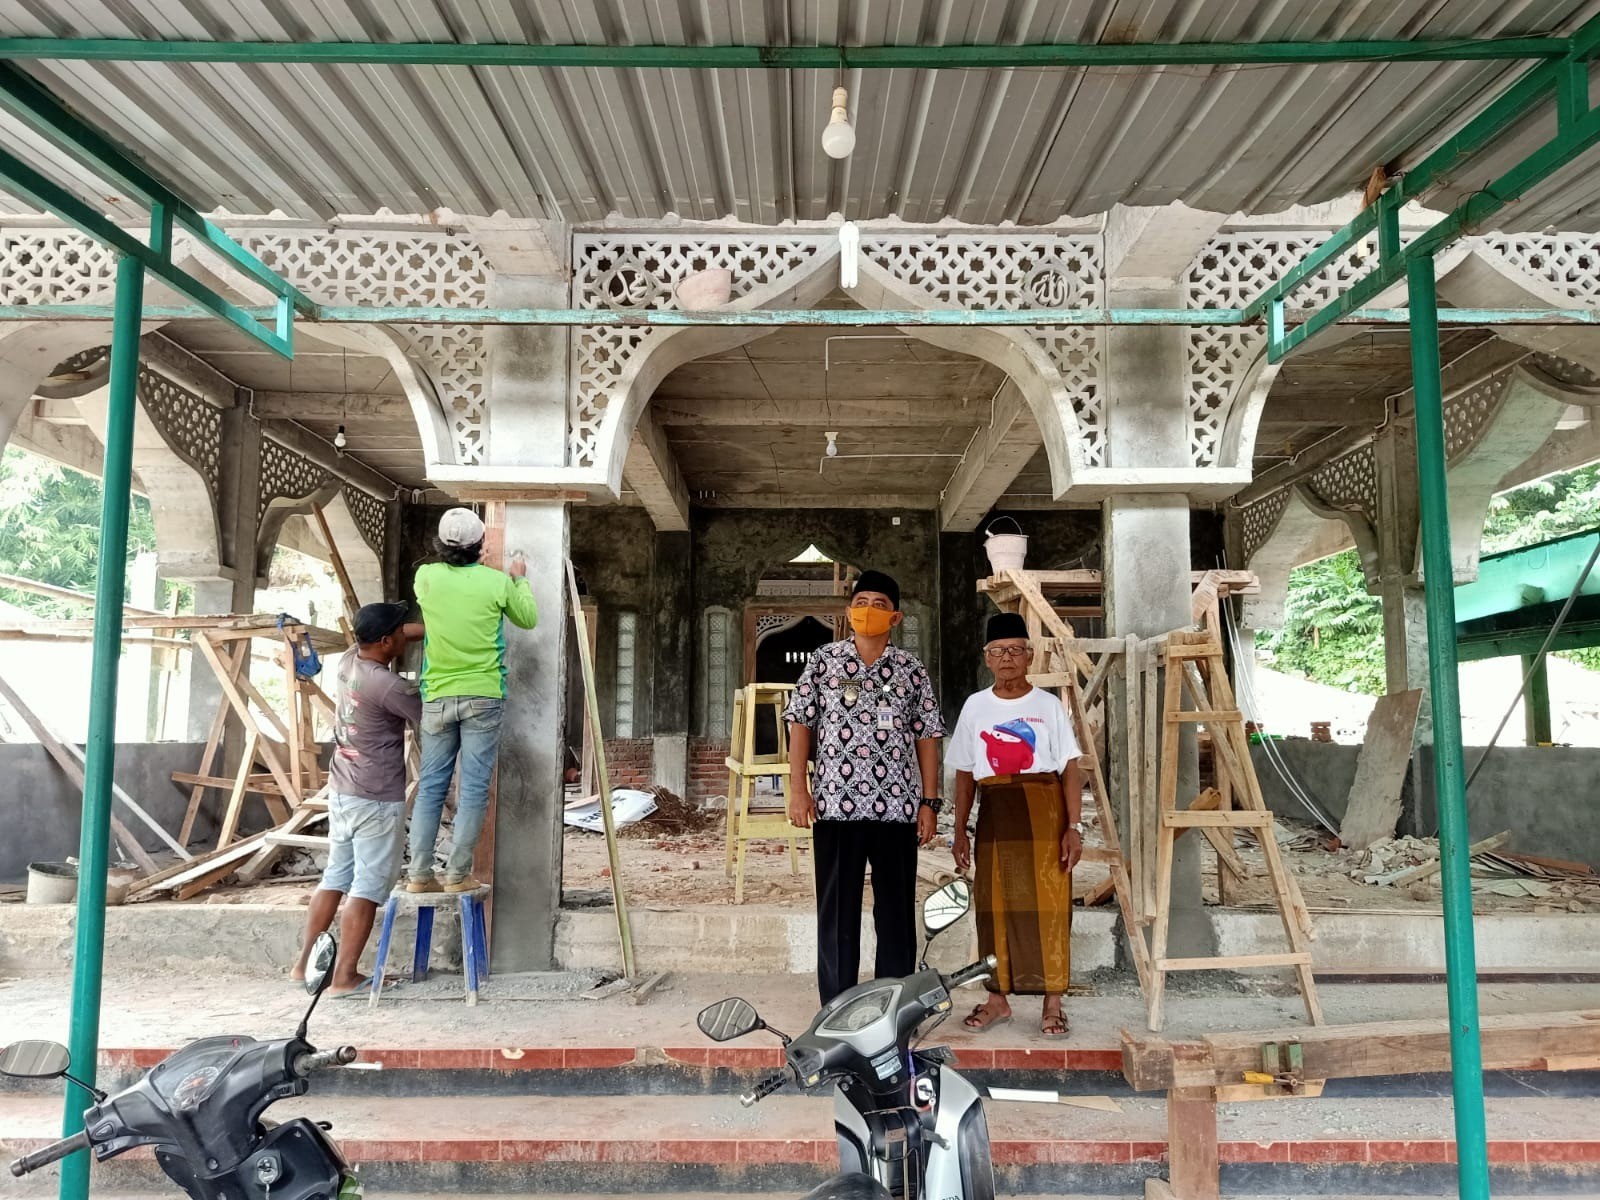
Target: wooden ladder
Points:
(1194, 661)
(1060, 662)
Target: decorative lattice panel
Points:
(1232, 270)
(371, 517)
(1564, 370)
(1569, 262)
(1469, 413)
(190, 426)
(1258, 520)
(1349, 482)
(285, 474)
(433, 269)
(83, 360)
(52, 267)
(643, 272)
(997, 271)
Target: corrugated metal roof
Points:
(977, 146)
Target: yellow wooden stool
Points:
(745, 821)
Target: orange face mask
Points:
(871, 622)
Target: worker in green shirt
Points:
(463, 607)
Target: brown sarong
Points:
(1023, 893)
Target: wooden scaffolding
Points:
(1157, 674)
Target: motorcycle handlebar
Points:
(978, 970)
(764, 1089)
(54, 1152)
(336, 1057)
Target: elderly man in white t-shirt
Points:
(1014, 747)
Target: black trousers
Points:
(842, 851)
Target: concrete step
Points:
(570, 1144)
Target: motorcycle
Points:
(909, 1126)
(201, 1109)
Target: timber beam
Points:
(1553, 1041)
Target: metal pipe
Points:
(379, 314)
(818, 58)
(1461, 969)
(94, 843)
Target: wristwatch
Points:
(1077, 828)
(933, 804)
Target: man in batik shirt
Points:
(864, 715)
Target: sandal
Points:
(980, 1019)
(1054, 1024)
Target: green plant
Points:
(1333, 628)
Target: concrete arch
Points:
(279, 510)
(380, 341)
(1304, 533)
(1482, 279)
(361, 562)
(1010, 348)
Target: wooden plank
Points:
(306, 841)
(1510, 1042)
(1373, 810)
(1167, 801)
(351, 603)
(236, 657)
(1207, 716)
(74, 771)
(1432, 868)
(1145, 867)
(1239, 818)
(259, 782)
(236, 691)
(1192, 1158)
(1133, 755)
(1231, 962)
(235, 806)
(268, 852)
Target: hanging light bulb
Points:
(339, 440)
(833, 444)
(839, 138)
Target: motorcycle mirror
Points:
(35, 1060)
(319, 971)
(728, 1019)
(946, 906)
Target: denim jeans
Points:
(468, 726)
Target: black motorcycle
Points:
(201, 1110)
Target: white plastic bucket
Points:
(710, 288)
(1006, 551)
(52, 883)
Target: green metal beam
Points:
(1461, 971)
(29, 100)
(851, 317)
(819, 58)
(99, 755)
(1574, 635)
(23, 181)
(1528, 577)
(1535, 89)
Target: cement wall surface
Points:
(1324, 769)
(39, 805)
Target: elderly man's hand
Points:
(927, 826)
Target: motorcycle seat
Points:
(853, 1186)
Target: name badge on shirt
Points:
(886, 719)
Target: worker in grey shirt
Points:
(366, 789)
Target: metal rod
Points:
(820, 58)
(94, 858)
(1461, 969)
(845, 317)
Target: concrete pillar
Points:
(1536, 704)
(527, 828)
(1146, 540)
(212, 598)
(135, 690)
(1405, 628)
(672, 661)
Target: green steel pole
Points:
(1461, 966)
(94, 844)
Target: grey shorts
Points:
(366, 841)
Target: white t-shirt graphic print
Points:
(1028, 735)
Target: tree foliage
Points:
(50, 529)
(1333, 628)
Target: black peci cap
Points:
(377, 621)
(877, 581)
(1005, 625)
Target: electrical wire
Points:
(1538, 661)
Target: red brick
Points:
(1327, 1152)
(452, 1060)
(394, 1058)
(463, 1150)
(797, 1151)
(689, 1056)
(1028, 1153)
(1508, 1152)
(1094, 1060)
(378, 1150)
(517, 1058)
(548, 1150)
(1563, 1151)
(600, 1056)
(1037, 1060)
(1423, 1151)
(1148, 1151)
(1253, 1151)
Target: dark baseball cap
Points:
(374, 622)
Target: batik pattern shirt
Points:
(865, 723)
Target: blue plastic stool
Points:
(474, 936)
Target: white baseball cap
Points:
(460, 527)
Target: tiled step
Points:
(565, 1144)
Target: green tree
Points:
(1333, 628)
(1544, 509)
(50, 529)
